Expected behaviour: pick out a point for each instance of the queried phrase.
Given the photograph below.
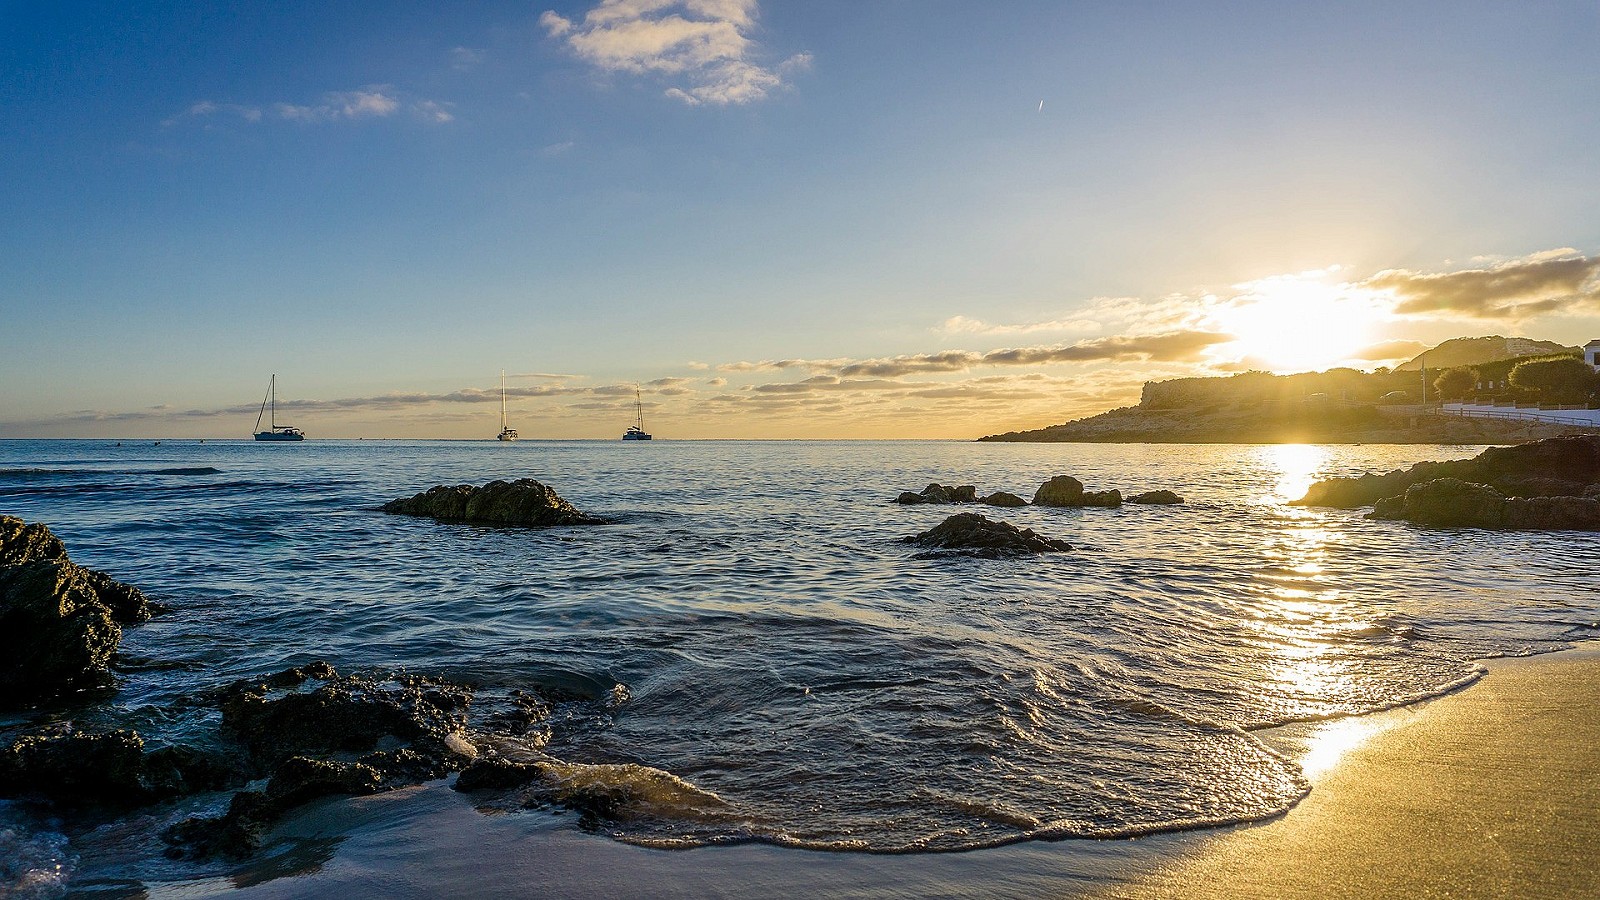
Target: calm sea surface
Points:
(773, 663)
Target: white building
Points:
(1591, 354)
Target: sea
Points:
(796, 694)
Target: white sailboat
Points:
(507, 433)
(636, 431)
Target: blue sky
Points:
(783, 219)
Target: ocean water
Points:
(767, 662)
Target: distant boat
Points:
(636, 431)
(506, 433)
(275, 432)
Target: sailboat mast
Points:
(272, 390)
(502, 399)
(639, 405)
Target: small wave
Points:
(41, 473)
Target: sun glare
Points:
(1296, 323)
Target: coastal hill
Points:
(1336, 406)
(1478, 350)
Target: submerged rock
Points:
(976, 535)
(520, 502)
(1163, 498)
(1563, 466)
(1451, 502)
(60, 623)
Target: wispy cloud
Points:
(372, 102)
(965, 325)
(1559, 281)
(701, 48)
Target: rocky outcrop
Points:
(972, 534)
(520, 502)
(304, 725)
(1563, 466)
(1001, 498)
(110, 769)
(60, 623)
(938, 493)
(1159, 498)
(1451, 502)
(1064, 490)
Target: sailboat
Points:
(275, 432)
(636, 431)
(506, 433)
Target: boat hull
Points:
(636, 436)
(279, 436)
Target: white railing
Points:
(1591, 420)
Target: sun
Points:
(1296, 323)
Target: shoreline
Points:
(1489, 790)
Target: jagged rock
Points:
(1164, 498)
(1564, 466)
(314, 710)
(520, 502)
(301, 779)
(939, 493)
(1001, 498)
(59, 622)
(1112, 498)
(110, 769)
(497, 774)
(976, 535)
(1451, 502)
(1062, 490)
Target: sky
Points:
(818, 219)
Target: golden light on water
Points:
(1296, 465)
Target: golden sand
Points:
(1490, 792)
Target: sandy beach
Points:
(1493, 791)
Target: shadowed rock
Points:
(1001, 498)
(939, 493)
(111, 769)
(1161, 498)
(973, 534)
(1066, 491)
(520, 502)
(1451, 502)
(1564, 466)
(60, 623)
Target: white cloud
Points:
(372, 102)
(701, 46)
(965, 325)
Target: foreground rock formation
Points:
(1562, 466)
(975, 535)
(520, 502)
(60, 623)
(1451, 502)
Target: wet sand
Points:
(1493, 791)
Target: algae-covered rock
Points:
(111, 769)
(973, 534)
(520, 502)
(1451, 502)
(1563, 466)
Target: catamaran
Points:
(275, 432)
(507, 433)
(636, 431)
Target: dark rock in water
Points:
(110, 769)
(939, 493)
(985, 537)
(1163, 498)
(1062, 490)
(1564, 466)
(497, 774)
(1451, 502)
(236, 834)
(1001, 498)
(520, 502)
(301, 779)
(314, 710)
(59, 622)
